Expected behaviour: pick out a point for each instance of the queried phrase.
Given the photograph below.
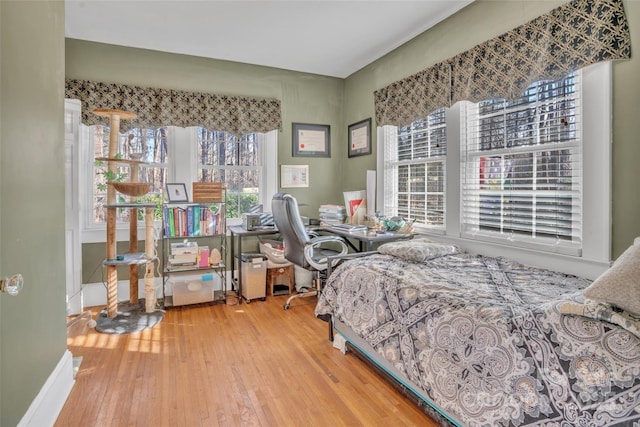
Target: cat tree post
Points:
(149, 245)
(133, 239)
(112, 270)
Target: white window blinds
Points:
(522, 167)
(414, 170)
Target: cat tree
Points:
(133, 189)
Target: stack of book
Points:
(332, 214)
(184, 255)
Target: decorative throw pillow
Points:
(620, 284)
(417, 250)
(600, 311)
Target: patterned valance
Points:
(163, 107)
(570, 37)
(414, 97)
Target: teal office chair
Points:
(300, 248)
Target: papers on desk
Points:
(351, 228)
(332, 214)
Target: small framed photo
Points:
(360, 138)
(311, 140)
(177, 193)
(294, 176)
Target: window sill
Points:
(568, 264)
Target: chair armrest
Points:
(322, 239)
(323, 263)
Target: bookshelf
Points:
(194, 252)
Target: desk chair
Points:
(299, 248)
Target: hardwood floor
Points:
(228, 365)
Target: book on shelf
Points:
(191, 221)
(197, 213)
(170, 220)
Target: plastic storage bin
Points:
(193, 288)
(274, 251)
(254, 276)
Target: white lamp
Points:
(12, 285)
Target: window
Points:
(527, 178)
(523, 166)
(414, 166)
(146, 145)
(248, 166)
(235, 161)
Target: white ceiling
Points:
(333, 38)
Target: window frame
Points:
(596, 180)
(181, 167)
(515, 233)
(391, 171)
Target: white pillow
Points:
(417, 250)
(620, 284)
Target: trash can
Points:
(254, 276)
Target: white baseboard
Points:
(46, 407)
(95, 294)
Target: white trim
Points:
(596, 179)
(95, 294)
(268, 143)
(73, 220)
(46, 407)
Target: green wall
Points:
(33, 324)
(305, 98)
(481, 21)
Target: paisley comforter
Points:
(484, 340)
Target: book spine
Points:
(183, 216)
(197, 212)
(166, 221)
(190, 221)
(172, 224)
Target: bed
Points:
(483, 341)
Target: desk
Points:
(365, 239)
(237, 233)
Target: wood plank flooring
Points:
(228, 365)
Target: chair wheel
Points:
(248, 301)
(286, 307)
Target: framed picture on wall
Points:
(310, 140)
(177, 193)
(294, 176)
(360, 138)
